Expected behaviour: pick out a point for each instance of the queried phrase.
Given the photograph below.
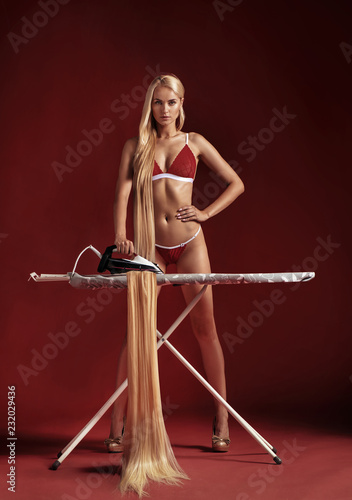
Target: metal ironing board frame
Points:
(120, 281)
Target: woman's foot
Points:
(115, 444)
(220, 439)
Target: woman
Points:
(170, 156)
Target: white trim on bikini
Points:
(166, 175)
(181, 244)
(172, 176)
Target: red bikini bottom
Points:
(172, 254)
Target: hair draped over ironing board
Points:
(147, 449)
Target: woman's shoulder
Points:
(196, 138)
(132, 142)
(197, 141)
(130, 145)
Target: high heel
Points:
(115, 445)
(218, 443)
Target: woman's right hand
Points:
(124, 246)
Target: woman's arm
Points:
(122, 193)
(234, 186)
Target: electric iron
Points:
(121, 266)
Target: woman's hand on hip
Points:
(191, 213)
(124, 246)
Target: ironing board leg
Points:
(83, 432)
(267, 446)
(78, 438)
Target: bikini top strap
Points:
(187, 138)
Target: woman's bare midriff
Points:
(169, 195)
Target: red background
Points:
(261, 56)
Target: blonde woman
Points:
(163, 160)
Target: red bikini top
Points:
(183, 168)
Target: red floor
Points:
(317, 465)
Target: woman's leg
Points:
(119, 406)
(195, 260)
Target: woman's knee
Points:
(203, 327)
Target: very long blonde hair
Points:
(147, 450)
(144, 232)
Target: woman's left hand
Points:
(191, 213)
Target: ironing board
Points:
(119, 282)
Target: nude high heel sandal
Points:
(218, 443)
(115, 445)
